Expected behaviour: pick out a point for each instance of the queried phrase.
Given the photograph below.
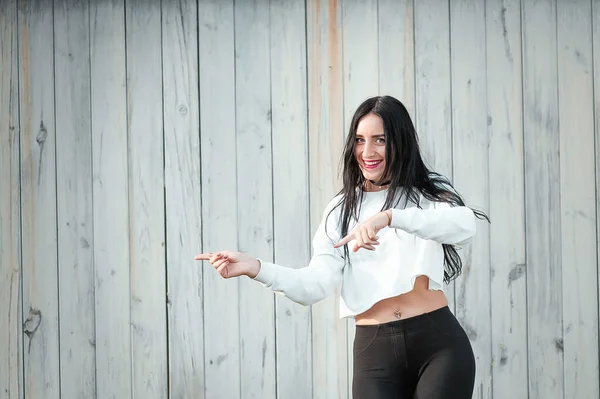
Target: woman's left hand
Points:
(365, 233)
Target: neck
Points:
(371, 185)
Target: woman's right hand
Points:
(232, 264)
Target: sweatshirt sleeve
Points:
(443, 223)
(310, 284)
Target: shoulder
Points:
(334, 204)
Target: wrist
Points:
(388, 214)
(253, 269)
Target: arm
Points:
(313, 283)
(443, 223)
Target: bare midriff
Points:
(418, 301)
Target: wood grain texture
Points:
(291, 230)
(74, 199)
(146, 194)
(219, 195)
(397, 50)
(110, 199)
(326, 139)
(433, 99)
(255, 193)
(542, 200)
(361, 81)
(183, 197)
(471, 173)
(577, 199)
(508, 272)
(38, 200)
(11, 352)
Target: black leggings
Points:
(423, 357)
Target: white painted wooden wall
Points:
(135, 134)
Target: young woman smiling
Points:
(390, 238)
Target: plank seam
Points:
(522, 37)
(56, 198)
(127, 131)
(91, 132)
(378, 54)
(21, 296)
(414, 60)
(201, 268)
(237, 192)
(596, 159)
(560, 205)
(453, 282)
(165, 236)
(308, 190)
(491, 346)
(272, 200)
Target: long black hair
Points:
(407, 174)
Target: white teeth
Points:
(371, 163)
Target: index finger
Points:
(343, 241)
(203, 257)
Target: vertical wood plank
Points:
(433, 100)
(596, 80)
(183, 197)
(146, 206)
(507, 234)
(38, 200)
(542, 199)
(290, 191)
(361, 80)
(110, 198)
(397, 51)
(255, 193)
(326, 138)
(11, 375)
(470, 163)
(74, 199)
(360, 54)
(577, 199)
(219, 194)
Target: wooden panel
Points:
(255, 193)
(38, 200)
(183, 197)
(470, 163)
(146, 194)
(219, 194)
(361, 81)
(507, 234)
(111, 200)
(361, 67)
(291, 230)
(596, 79)
(397, 51)
(433, 117)
(11, 375)
(74, 199)
(325, 138)
(577, 200)
(542, 200)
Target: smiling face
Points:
(369, 148)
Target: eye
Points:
(360, 140)
(380, 140)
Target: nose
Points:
(368, 150)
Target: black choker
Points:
(385, 183)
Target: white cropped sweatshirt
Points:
(410, 247)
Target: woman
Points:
(390, 238)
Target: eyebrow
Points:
(375, 136)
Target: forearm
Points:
(447, 225)
(306, 285)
